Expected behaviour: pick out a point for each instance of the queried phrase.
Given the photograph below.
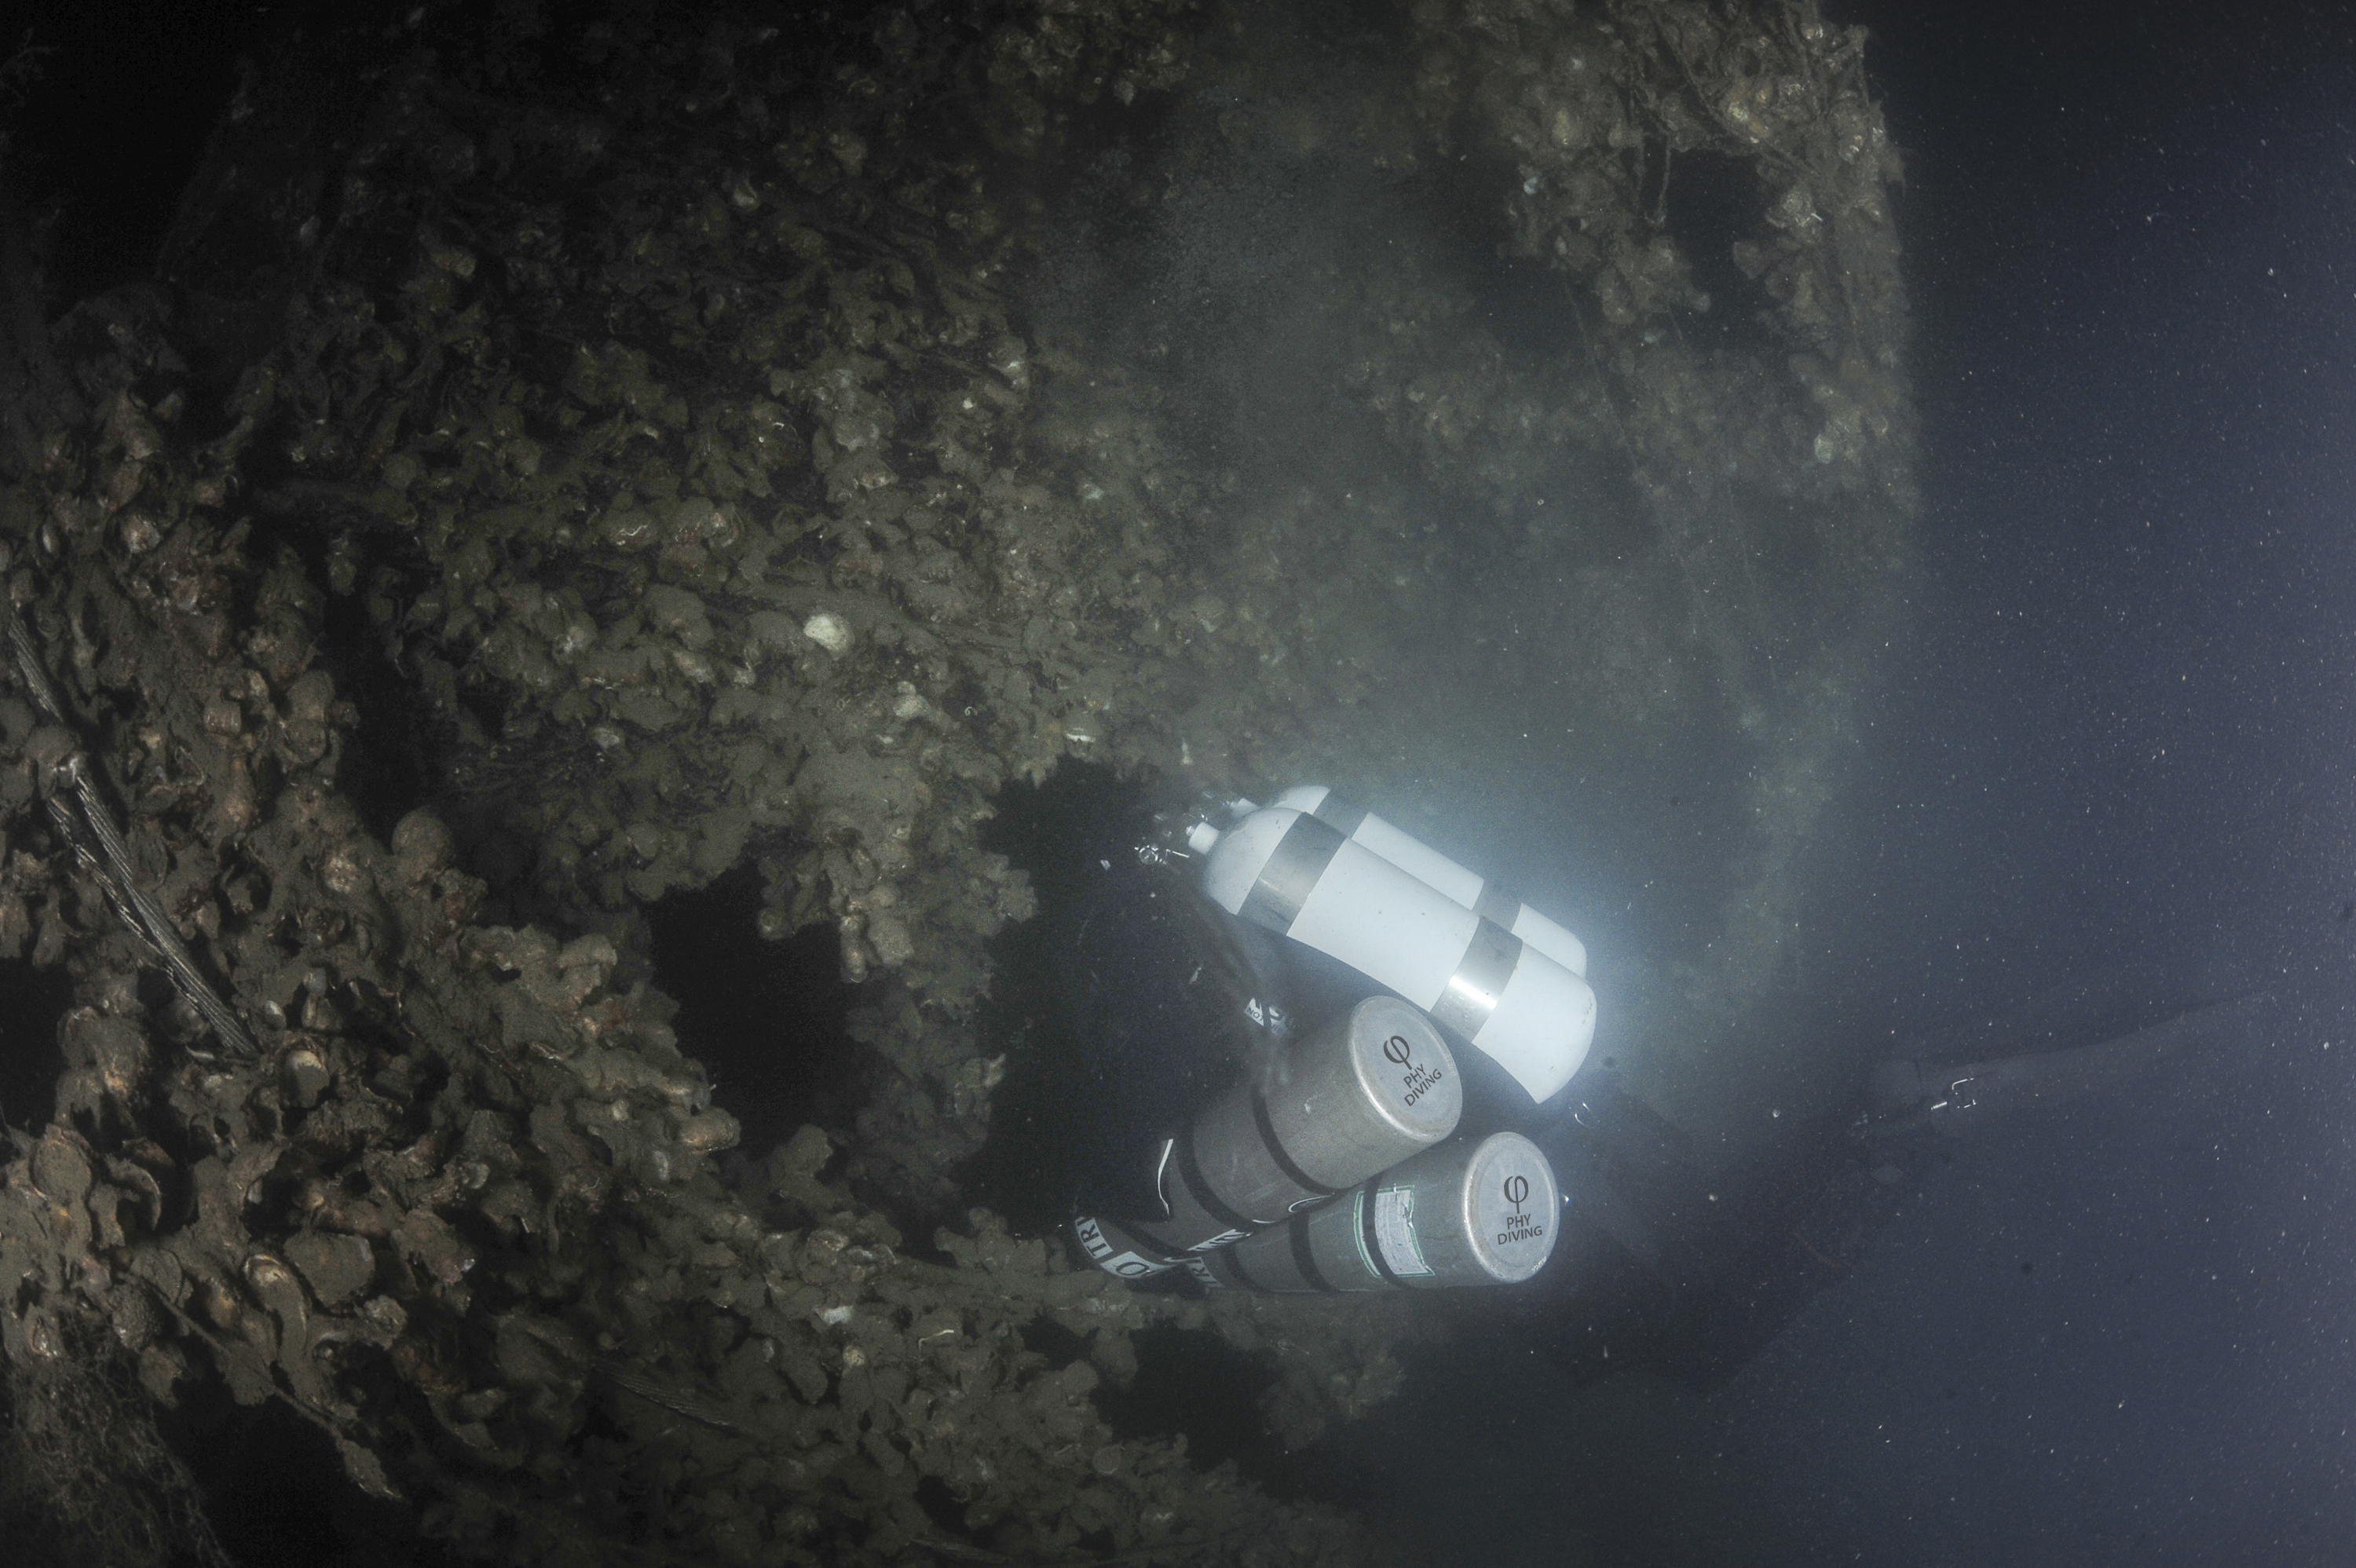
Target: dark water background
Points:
(2120, 1332)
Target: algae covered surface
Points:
(560, 463)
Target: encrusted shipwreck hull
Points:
(703, 447)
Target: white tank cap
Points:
(1202, 837)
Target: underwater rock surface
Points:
(754, 443)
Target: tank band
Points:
(1292, 1172)
(1495, 902)
(1234, 1259)
(1290, 875)
(1339, 815)
(1190, 1171)
(1472, 993)
(1369, 1243)
(1304, 1257)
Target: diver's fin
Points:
(1956, 1096)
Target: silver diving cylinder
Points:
(1461, 1213)
(1287, 872)
(1338, 1105)
(1480, 894)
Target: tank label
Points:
(1513, 1206)
(1102, 1252)
(1395, 1231)
(1509, 1213)
(1418, 1076)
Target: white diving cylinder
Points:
(1294, 874)
(1457, 1214)
(1355, 1097)
(1481, 895)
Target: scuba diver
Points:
(1262, 1015)
(1310, 1042)
(1265, 1078)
